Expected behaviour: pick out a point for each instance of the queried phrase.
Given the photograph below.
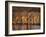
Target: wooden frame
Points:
(6, 18)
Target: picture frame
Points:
(13, 9)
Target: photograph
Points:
(24, 18)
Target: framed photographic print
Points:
(24, 18)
